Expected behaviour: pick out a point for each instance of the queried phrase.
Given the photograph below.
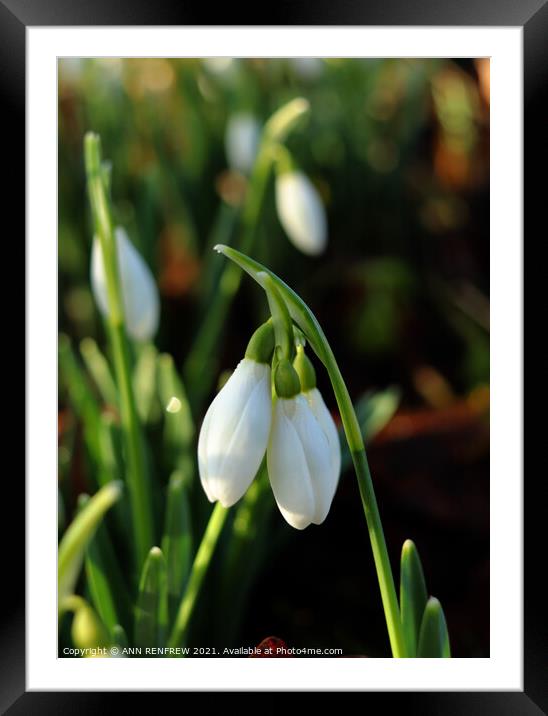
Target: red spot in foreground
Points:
(271, 647)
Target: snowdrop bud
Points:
(139, 291)
(301, 212)
(299, 463)
(242, 137)
(307, 68)
(234, 434)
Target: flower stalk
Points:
(308, 323)
(137, 478)
(197, 574)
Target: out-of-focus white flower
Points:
(219, 65)
(243, 133)
(307, 68)
(234, 434)
(301, 212)
(302, 463)
(139, 290)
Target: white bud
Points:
(139, 291)
(307, 68)
(301, 463)
(243, 133)
(327, 424)
(234, 434)
(301, 212)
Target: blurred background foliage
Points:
(399, 151)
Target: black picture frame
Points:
(15, 17)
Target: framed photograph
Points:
(274, 353)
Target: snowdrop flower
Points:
(303, 459)
(301, 212)
(307, 68)
(242, 137)
(234, 433)
(139, 291)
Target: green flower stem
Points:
(139, 490)
(197, 574)
(308, 323)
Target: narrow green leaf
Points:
(151, 609)
(413, 595)
(74, 381)
(178, 424)
(79, 533)
(373, 410)
(177, 541)
(99, 369)
(434, 637)
(119, 636)
(144, 381)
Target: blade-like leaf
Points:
(177, 541)
(178, 424)
(119, 636)
(434, 637)
(151, 609)
(99, 369)
(144, 382)
(79, 533)
(413, 595)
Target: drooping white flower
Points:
(302, 464)
(327, 424)
(301, 212)
(139, 291)
(234, 434)
(243, 133)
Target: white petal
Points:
(242, 141)
(288, 469)
(301, 212)
(234, 433)
(318, 457)
(139, 291)
(323, 416)
(202, 455)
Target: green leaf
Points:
(75, 382)
(434, 637)
(151, 609)
(413, 595)
(144, 381)
(373, 410)
(179, 428)
(99, 369)
(119, 636)
(177, 541)
(78, 535)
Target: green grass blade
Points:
(413, 595)
(177, 541)
(151, 610)
(78, 535)
(99, 369)
(434, 637)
